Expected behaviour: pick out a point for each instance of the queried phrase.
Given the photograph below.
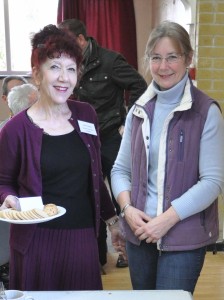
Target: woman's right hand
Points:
(135, 218)
(10, 202)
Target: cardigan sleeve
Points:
(9, 164)
(121, 171)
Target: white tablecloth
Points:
(111, 295)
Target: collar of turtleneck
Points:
(172, 95)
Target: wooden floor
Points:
(210, 285)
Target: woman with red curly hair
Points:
(52, 150)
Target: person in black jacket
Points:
(105, 79)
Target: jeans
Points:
(151, 269)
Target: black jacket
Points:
(105, 78)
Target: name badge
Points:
(87, 127)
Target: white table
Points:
(112, 295)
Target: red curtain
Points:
(110, 22)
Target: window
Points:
(19, 19)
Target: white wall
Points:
(143, 18)
(149, 13)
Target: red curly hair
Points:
(51, 42)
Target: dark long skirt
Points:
(57, 260)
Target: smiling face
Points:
(166, 74)
(56, 79)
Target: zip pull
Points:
(181, 136)
(160, 249)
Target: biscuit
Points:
(51, 209)
(3, 215)
(25, 215)
(14, 214)
(18, 215)
(36, 213)
(7, 214)
(40, 213)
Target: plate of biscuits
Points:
(33, 216)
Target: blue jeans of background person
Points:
(151, 269)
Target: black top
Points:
(65, 167)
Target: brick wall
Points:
(210, 61)
(210, 48)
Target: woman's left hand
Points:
(157, 227)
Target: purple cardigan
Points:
(20, 172)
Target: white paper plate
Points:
(61, 212)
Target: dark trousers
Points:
(109, 149)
